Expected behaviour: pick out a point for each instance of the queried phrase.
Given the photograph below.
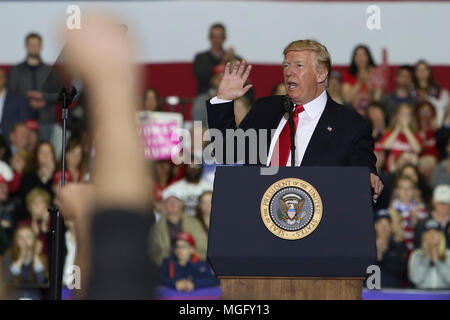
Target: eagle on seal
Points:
(291, 206)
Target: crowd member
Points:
(406, 211)
(33, 136)
(205, 62)
(75, 160)
(13, 108)
(41, 169)
(335, 87)
(442, 135)
(425, 115)
(184, 270)
(440, 213)
(391, 252)
(402, 93)
(423, 192)
(5, 152)
(19, 137)
(356, 88)
(400, 136)
(37, 203)
(19, 162)
(377, 116)
(428, 89)
(171, 224)
(204, 209)
(152, 100)
(163, 176)
(429, 266)
(25, 264)
(7, 208)
(27, 80)
(190, 187)
(441, 172)
(279, 89)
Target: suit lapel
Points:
(321, 137)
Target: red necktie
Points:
(283, 145)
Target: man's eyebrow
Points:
(296, 61)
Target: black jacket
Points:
(348, 143)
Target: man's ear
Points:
(321, 75)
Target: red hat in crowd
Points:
(58, 176)
(31, 124)
(185, 236)
(220, 68)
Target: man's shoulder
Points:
(346, 114)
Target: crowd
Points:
(411, 129)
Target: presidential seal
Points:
(291, 209)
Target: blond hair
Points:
(441, 247)
(35, 193)
(323, 58)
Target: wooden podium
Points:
(273, 288)
(255, 259)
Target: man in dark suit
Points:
(13, 108)
(326, 133)
(28, 79)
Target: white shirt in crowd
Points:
(189, 193)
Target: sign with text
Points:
(156, 130)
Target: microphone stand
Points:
(57, 222)
(289, 106)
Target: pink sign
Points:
(159, 137)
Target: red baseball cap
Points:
(31, 124)
(186, 236)
(220, 68)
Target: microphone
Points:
(289, 108)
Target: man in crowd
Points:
(19, 136)
(13, 108)
(204, 62)
(403, 92)
(28, 80)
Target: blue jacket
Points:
(196, 270)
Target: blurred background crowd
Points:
(411, 129)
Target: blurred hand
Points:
(232, 85)
(377, 186)
(17, 163)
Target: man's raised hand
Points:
(232, 85)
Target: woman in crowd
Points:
(24, 263)
(377, 116)
(152, 100)
(425, 116)
(428, 89)
(37, 202)
(357, 88)
(429, 266)
(400, 136)
(40, 172)
(75, 161)
(204, 209)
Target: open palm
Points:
(232, 85)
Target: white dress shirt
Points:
(307, 122)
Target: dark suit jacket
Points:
(348, 143)
(15, 109)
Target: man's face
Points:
(183, 251)
(303, 82)
(174, 205)
(383, 228)
(217, 38)
(33, 47)
(19, 137)
(193, 172)
(404, 79)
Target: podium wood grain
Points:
(273, 288)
